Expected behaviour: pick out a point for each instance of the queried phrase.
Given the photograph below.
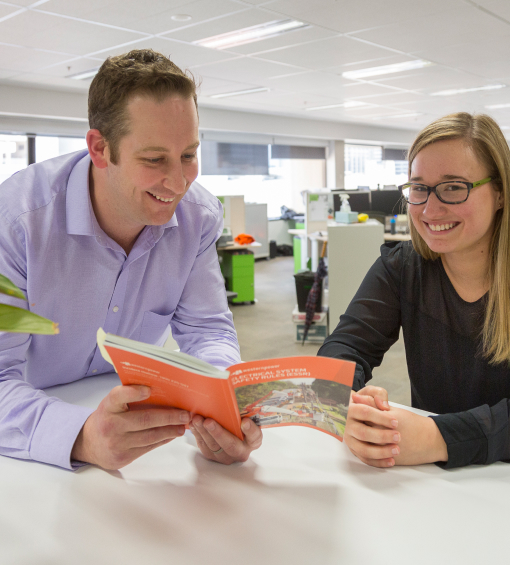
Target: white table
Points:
(302, 498)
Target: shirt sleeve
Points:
(476, 437)
(371, 323)
(32, 424)
(202, 324)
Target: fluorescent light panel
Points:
(250, 34)
(240, 92)
(388, 69)
(348, 104)
(497, 106)
(464, 90)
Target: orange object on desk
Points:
(244, 239)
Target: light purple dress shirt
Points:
(52, 247)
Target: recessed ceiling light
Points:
(464, 90)
(388, 69)
(84, 74)
(496, 106)
(240, 92)
(250, 34)
(180, 18)
(348, 104)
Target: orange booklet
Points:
(292, 391)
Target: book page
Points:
(295, 391)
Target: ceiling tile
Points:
(310, 81)
(487, 56)
(6, 10)
(326, 53)
(71, 67)
(182, 54)
(389, 59)
(246, 69)
(21, 3)
(23, 59)
(134, 14)
(37, 80)
(345, 16)
(499, 8)
(450, 28)
(35, 29)
(431, 79)
(296, 37)
(360, 89)
(247, 18)
(210, 85)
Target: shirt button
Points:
(115, 308)
(94, 371)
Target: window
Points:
(293, 170)
(369, 166)
(13, 154)
(48, 147)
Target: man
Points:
(119, 237)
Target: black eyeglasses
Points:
(450, 192)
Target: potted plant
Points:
(13, 319)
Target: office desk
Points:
(302, 498)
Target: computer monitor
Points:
(359, 201)
(386, 201)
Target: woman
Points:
(449, 291)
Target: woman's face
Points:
(454, 228)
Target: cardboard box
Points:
(317, 332)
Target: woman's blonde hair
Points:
(487, 141)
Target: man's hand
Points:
(371, 431)
(217, 444)
(114, 435)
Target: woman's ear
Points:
(501, 199)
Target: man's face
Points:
(156, 161)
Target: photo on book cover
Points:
(314, 403)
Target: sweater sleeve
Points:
(371, 323)
(479, 436)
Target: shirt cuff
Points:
(56, 432)
(465, 441)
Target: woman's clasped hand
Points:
(383, 436)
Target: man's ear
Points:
(98, 149)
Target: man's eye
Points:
(189, 156)
(154, 161)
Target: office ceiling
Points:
(468, 42)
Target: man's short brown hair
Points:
(139, 72)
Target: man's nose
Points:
(174, 179)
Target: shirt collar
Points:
(79, 213)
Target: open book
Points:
(299, 391)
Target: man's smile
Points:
(161, 199)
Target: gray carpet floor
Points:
(265, 329)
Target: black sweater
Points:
(449, 375)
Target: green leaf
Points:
(8, 287)
(19, 320)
